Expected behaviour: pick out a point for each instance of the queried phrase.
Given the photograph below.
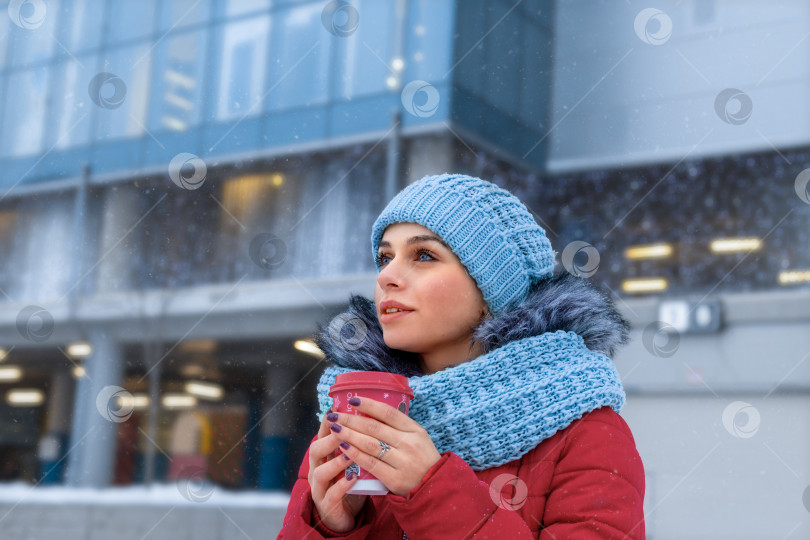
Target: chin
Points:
(398, 342)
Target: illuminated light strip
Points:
(787, 277)
(10, 373)
(25, 397)
(644, 285)
(309, 347)
(178, 401)
(651, 251)
(204, 390)
(730, 245)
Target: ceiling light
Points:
(649, 251)
(79, 349)
(308, 346)
(25, 397)
(178, 401)
(644, 285)
(10, 373)
(788, 277)
(204, 390)
(732, 245)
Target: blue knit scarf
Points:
(499, 406)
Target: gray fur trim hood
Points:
(354, 339)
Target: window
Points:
(177, 91)
(242, 71)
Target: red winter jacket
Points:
(584, 482)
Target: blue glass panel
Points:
(128, 20)
(242, 70)
(429, 41)
(300, 69)
(177, 90)
(81, 25)
(73, 109)
(24, 107)
(176, 14)
(232, 8)
(364, 57)
(32, 32)
(121, 96)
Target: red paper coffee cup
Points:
(389, 388)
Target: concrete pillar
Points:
(276, 427)
(121, 210)
(54, 443)
(97, 414)
(429, 155)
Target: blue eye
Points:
(419, 252)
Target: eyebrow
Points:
(416, 240)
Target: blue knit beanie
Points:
(491, 232)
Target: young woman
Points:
(514, 429)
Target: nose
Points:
(391, 275)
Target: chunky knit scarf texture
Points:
(546, 363)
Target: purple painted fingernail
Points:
(347, 458)
(336, 428)
(344, 445)
(354, 401)
(350, 476)
(332, 417)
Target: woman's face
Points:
(443, 302)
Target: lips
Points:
(389, 304)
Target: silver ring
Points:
(385, 448)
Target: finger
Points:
(384, 413)
(373, 429)
(365, 451)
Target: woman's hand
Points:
(412, 451)
(336, 509)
